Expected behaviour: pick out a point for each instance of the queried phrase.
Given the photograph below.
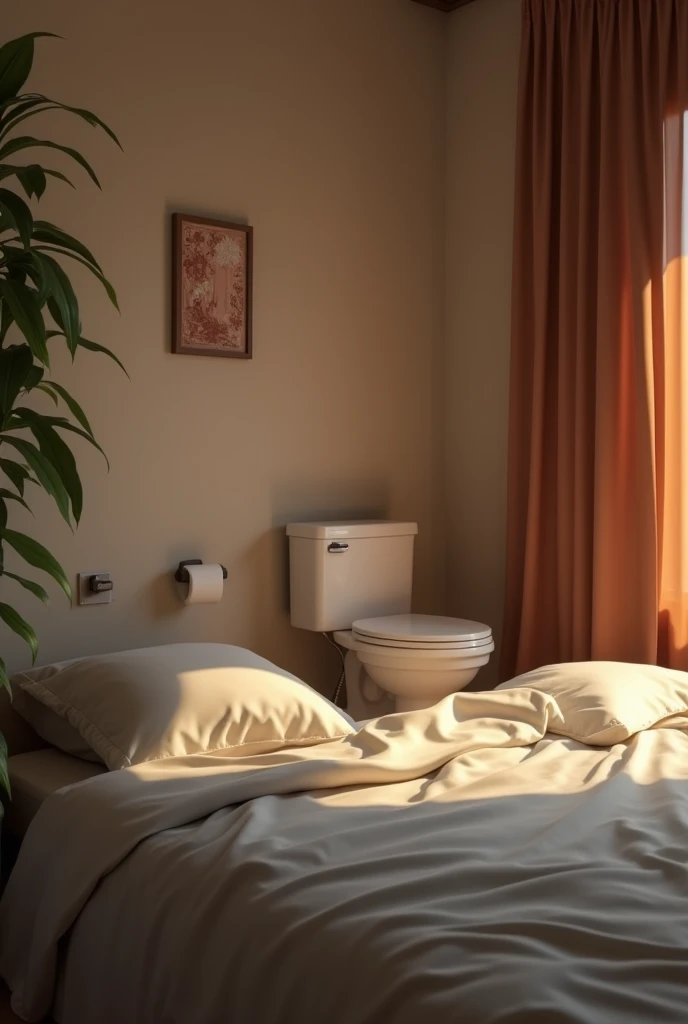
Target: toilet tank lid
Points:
(352, 529)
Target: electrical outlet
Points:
(86, 595)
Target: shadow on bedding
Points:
(550, 889)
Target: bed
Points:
(471, 862)
(36, 770)
(34, 776)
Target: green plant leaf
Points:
(93, 346)
(16, 60)
(111, 293)
(18, 262)
(15, 473)
(38, 104)
(72, 404)
(15, 107)
(6, 320)
(4, 777)
(56, 314)
(28, 418)
(11, 496)
(14, 209)
(4, 681)
(47, 390)
(17, 101)
(64, 298)
(16, 363)
(60, 456)
(22, 142)
(36, 272)
(35, 588)
(44, 231)
(37, 170)
(47, 474)
(32, 179)
(20, 626)
(39, 557)
(26, 312)
(34, 378)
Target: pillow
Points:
(606, 702)
(50, 726)
(183, 699)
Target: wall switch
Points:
(89, 596)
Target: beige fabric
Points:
(52, 727)
(605, 702)
(454, 864)
(18, 734)
(181, 699)
(36, 775)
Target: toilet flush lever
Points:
(337, 547)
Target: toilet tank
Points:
(340, 572)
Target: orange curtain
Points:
(597, 545)
(673, 590)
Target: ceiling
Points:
(443, 5)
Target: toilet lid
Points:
(424, 632)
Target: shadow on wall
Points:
(162, 596)
(264, 566)
(256, 599)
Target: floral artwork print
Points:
(213, 287)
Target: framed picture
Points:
(211, 287)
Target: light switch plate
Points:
(85, 595)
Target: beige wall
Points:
(484, 40)
(323, 125)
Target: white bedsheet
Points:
(35, 776)
(450, 865)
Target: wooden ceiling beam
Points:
(444, 5)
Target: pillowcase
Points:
(51, 727)
(182, 699)
(606, 702)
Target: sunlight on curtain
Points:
(672, 468)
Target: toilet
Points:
(354, 580)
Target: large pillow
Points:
(605, 702)
(51, 727)
(181, 699)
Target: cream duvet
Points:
(459, 864)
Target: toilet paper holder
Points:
(182, 573)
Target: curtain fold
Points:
(673, 595)
(597, 561)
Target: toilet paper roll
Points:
(205, 584)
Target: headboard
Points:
(19, 735)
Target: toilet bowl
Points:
(354, 580)
(416, 659)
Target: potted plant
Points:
(38, 304)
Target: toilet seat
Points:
(416, 659)
(404, 656)
(433, 635)
(403, 645)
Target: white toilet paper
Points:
(205, 584)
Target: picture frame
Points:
(212, 280)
